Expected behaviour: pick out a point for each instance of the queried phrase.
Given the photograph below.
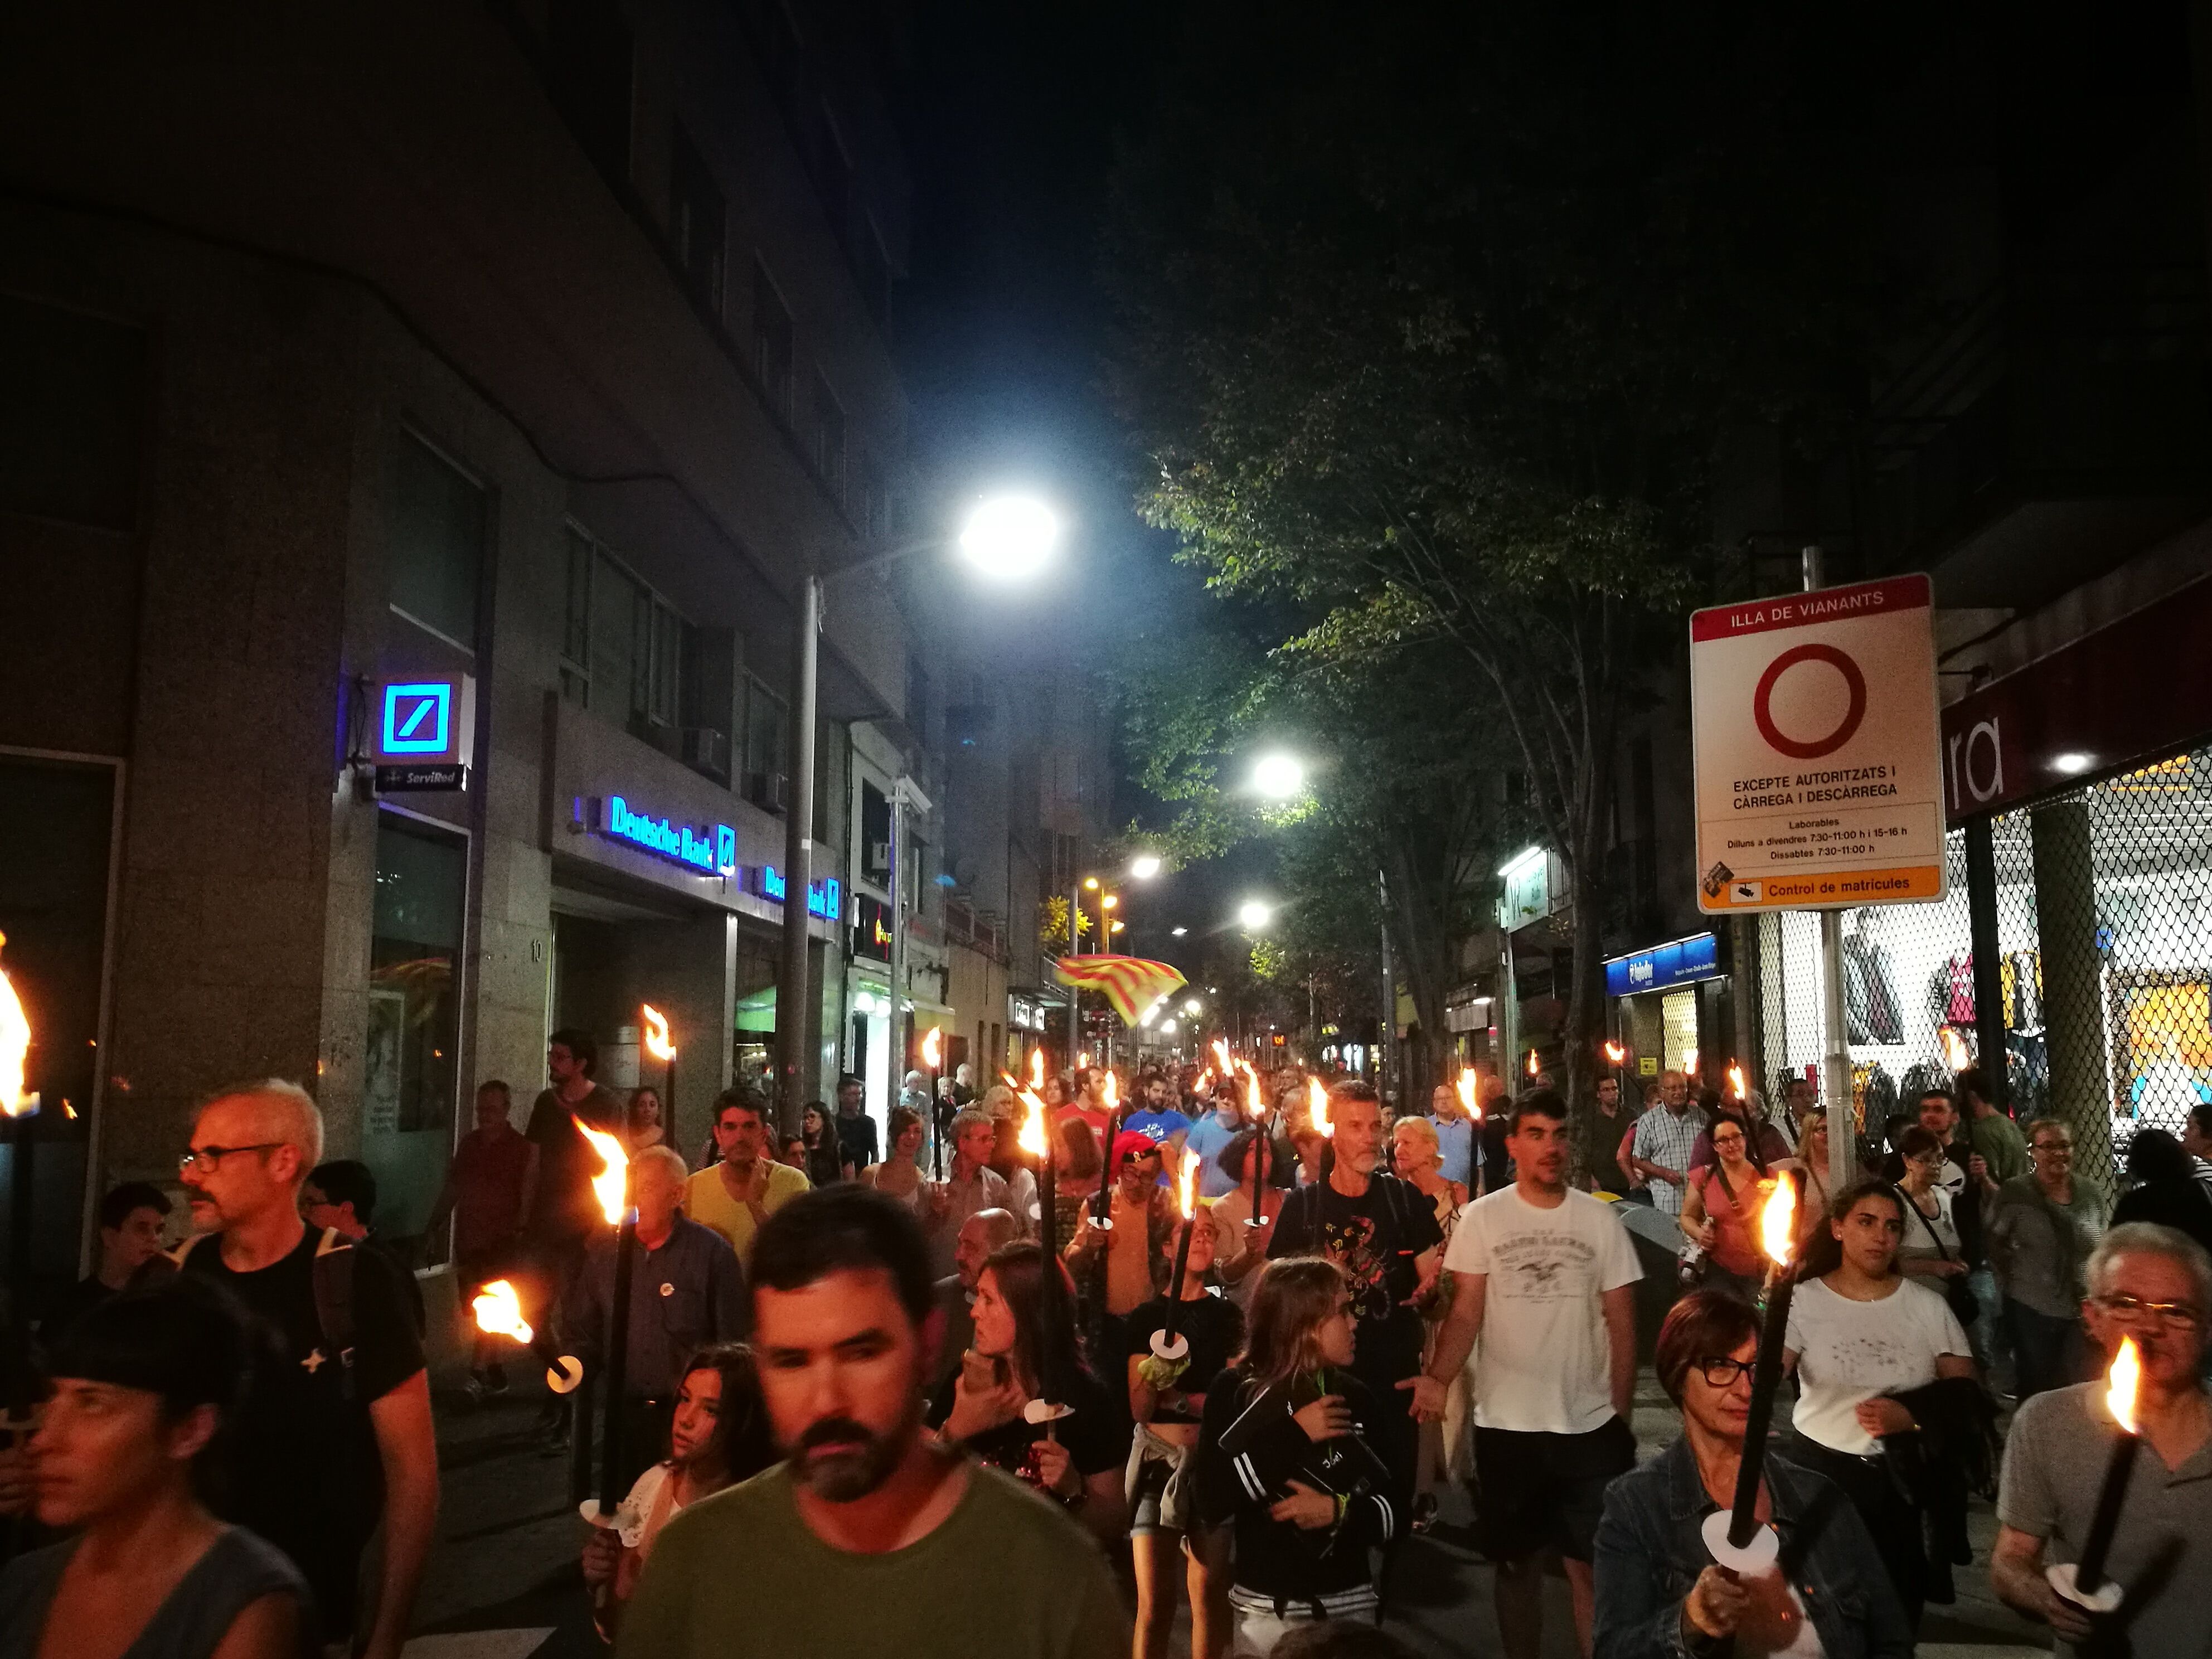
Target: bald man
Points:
(337, 1436)
(979, 1233)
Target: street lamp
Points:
(1144, 866)
(1177, 933)
(1279, 776)
(1254, 915)
(1005, 537)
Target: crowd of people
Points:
(877, 1369)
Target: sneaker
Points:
(1425, 1511)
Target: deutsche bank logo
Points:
(418, 719)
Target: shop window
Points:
(72, 407)
(698, 224)
(438, 519)
(773, 342)
(411, 1053)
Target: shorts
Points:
(1539, 1491)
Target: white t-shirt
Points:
(1933, 1236)
(1848, 1351)
(1545, 1366)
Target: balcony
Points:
(977, 931)
(2060, 424)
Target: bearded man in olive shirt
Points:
(888, 1541)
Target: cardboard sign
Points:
(1818, 766)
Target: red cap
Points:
(1130, 1142)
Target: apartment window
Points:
(829, 439)
(439, 516)
(772, 341)
(587, 48)
(623, 648)
(72, 406)
(875, 835)
(698, 224)
(767, 717)
(576, 622)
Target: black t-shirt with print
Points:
(1096, 1435)
(304, 1471)
(1377, 1238)
(1214, 1327)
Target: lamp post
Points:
(1007, 537)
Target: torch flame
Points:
(15, 1045)
(1032, 1137)
(1736, 1084)
(2120, 1385)
(1954, 1048)
(1113, 1093)
(1779, 1225)
(933, 1047)
(1187, 1184)
(499, 1311)
(1082, 1059)
(1254, 1107)
(1535, 1066)
(656, 1033)
(1690, 1063)
(611, 1183)
(1615, 1054)
(1465, 1089)
(1037, 1068)
(1221, 1053)
(1317, 1108)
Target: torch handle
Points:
(617, 1378)
(2089, 1571)
(1766, 1380)
(1174, 1284)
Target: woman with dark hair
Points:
(1242, 1249)
(1077, 1174)
(984, 1406)
(898, 1176)
(1282, 1459)
(822, 1166)
(143, 1386)
(1167, 1400)
(1930, 1248)
(2166, 1188)
(718, 1436)
(1659, 1593)
(1860, 1335)
(645, 1128)
(1721, 1205)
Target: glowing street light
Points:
(1009, 537)
(1177, 933)
(1253, 915)
(1193, 1007)
(1279, 777)
(1144, 866)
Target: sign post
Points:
(1818, 767)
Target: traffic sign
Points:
(1817, 750)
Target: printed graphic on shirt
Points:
(1543, 1265)
(1350, 1242)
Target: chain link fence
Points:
(2103, 912)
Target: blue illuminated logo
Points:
(712, 851)
(822, 897)
(1680, 962)
(418, 719)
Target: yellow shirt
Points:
(706, 1200)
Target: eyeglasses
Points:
(1722, 1373)
(1727, 1140)
(2054, 1146)
(204, 1158)
(2179, 1315)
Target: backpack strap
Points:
(333, 1288)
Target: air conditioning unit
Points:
(706, 749)
(766, 790)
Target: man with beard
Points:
(891, 1542)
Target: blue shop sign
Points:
(822, 898)
(1685, 960)
(710, 849)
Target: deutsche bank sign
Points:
(712, 850)
(822, 897)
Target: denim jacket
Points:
(1650, 1554)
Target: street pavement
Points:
(503, 1582)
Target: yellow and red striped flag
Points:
(1130, 983)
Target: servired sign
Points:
(1818, 767)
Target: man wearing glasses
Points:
(2042, 1227)
(2155, 1285)
(337, 1442)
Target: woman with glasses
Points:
(2042, 1227)
(1659, 1594)
(1930, 1248)
(1859, 1336)
(1721, 1204)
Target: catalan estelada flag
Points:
(1130, 983)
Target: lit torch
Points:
(499, 1311)
(1736, 1082)
(20, 1107)
(1221, 1054)
(1465, 1089)
(932, 1056)
(1165, 1342)
(1036, 1139)
(1690, 1063)
(1262, 1148)
(1317, 1113)
(1954, 1048)
(1036, 1069)
(1536, 1063)
(1778, 1236)
(611, 1187)
(2121, 1381)
(656, 1044)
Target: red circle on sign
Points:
(1836, 740)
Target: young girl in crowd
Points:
(983, 1405)
(1166, 1400)
(822, 1166)
(1283, 1460)
(899, 1175)
(718, 1436)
